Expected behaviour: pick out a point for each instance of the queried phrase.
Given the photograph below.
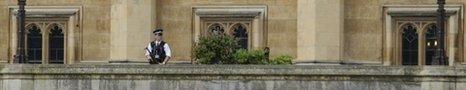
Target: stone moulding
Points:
(256, 72)
(72, 15)
(392, 49)
(221, 77)
(257, 14)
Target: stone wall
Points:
(119, 29)
(176, 17)
(320, 31)
(95, 26)
(227, 77)
(310, 30)
(132, 22)
(3, 32)
(364, 27)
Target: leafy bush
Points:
(222, 49)
(280, 60)
(250, 57)
(217, 49)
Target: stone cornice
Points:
(421, 10)
(230, 11)
(47, 10)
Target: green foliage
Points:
(215, 50)
(250, 57)
(222, 49)
(281, 60)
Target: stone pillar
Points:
(320, 31)
(131, 24)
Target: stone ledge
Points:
(267, 70)
(144, 62)
(220, 77)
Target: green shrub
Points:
(222, 49)
(215, 50)
(250, 57)
(280, 60)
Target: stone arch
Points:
(240, 33)
(216, 29)
(409, 44)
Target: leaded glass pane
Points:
(56, 44)
(430, 43)
(409, 45)
(241, 35)
(216, 29)
(34, 45)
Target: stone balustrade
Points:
(229, 77)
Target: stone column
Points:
(131, 24)
(320, 31)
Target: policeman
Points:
(158, 51)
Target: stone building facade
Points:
(313, 31)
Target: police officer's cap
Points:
(158, 30)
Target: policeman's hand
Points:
(163, 63)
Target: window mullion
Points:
(45, 46)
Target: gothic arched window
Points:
(430, 43)
(56, 45)
(216, 29)
(409, 45)
(241, 35)
(34, 44)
